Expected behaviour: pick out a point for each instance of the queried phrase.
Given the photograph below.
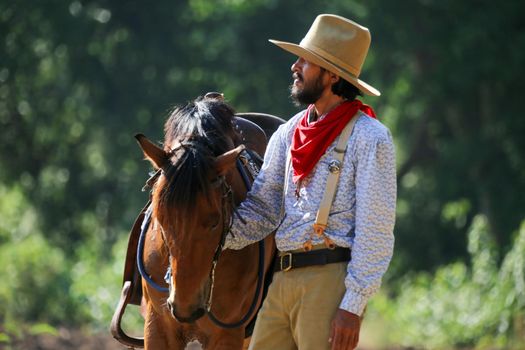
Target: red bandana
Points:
(310, 140)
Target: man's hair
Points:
(346, 90)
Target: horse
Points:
(211, 292)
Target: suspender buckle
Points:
(319, 228)
(335, 166)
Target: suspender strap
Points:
(286, 181)
(335, 167)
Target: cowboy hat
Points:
(336, 44)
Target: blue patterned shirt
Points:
(361, 217)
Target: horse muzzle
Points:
(195, 309)
(195, 315)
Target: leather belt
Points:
(291, 260)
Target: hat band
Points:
(331, 59)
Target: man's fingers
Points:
(335, 339)
(332, 332)
(342, 339)
(353, 342)
(344, 331)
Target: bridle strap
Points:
(260, 269)
(227, 192)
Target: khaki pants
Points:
(299, 308)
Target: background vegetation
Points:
(79, 78)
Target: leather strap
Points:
(286, 181)
(130, 264)
(333, 177)
(288, 260)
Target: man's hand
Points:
(344, 334)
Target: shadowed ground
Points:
(79, 340)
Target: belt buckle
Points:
(289, 267)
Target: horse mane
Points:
(195, 134)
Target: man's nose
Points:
(296, 65)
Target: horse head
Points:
(192, 198)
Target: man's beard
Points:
(309, 93)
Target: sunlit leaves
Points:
(476, 305)
(18, 218)
(34, 274)
(457, 212)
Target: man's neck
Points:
(326, 103)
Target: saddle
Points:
(255, 128)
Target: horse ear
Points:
(226, 161)
(156, 155)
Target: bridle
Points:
(227, 202)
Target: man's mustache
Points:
(297, 76)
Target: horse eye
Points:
(213, 222)
(215, 225)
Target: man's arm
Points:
(260, 213)
(374, 240)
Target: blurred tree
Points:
(452, 72)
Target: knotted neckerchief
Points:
(310, 140)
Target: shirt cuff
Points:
(354, 302)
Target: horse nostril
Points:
(171, 309)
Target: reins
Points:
(140, 253)
(227, 194)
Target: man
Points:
(319, 293)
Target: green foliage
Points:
(40, 285)
(448, 71)
(34, 274)
(481, 305)
(96, 283)
(35, 282)
(18, 218)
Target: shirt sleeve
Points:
(372, 248)
(260, 213)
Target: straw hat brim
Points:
(315, 58)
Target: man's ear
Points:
(334, 78)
